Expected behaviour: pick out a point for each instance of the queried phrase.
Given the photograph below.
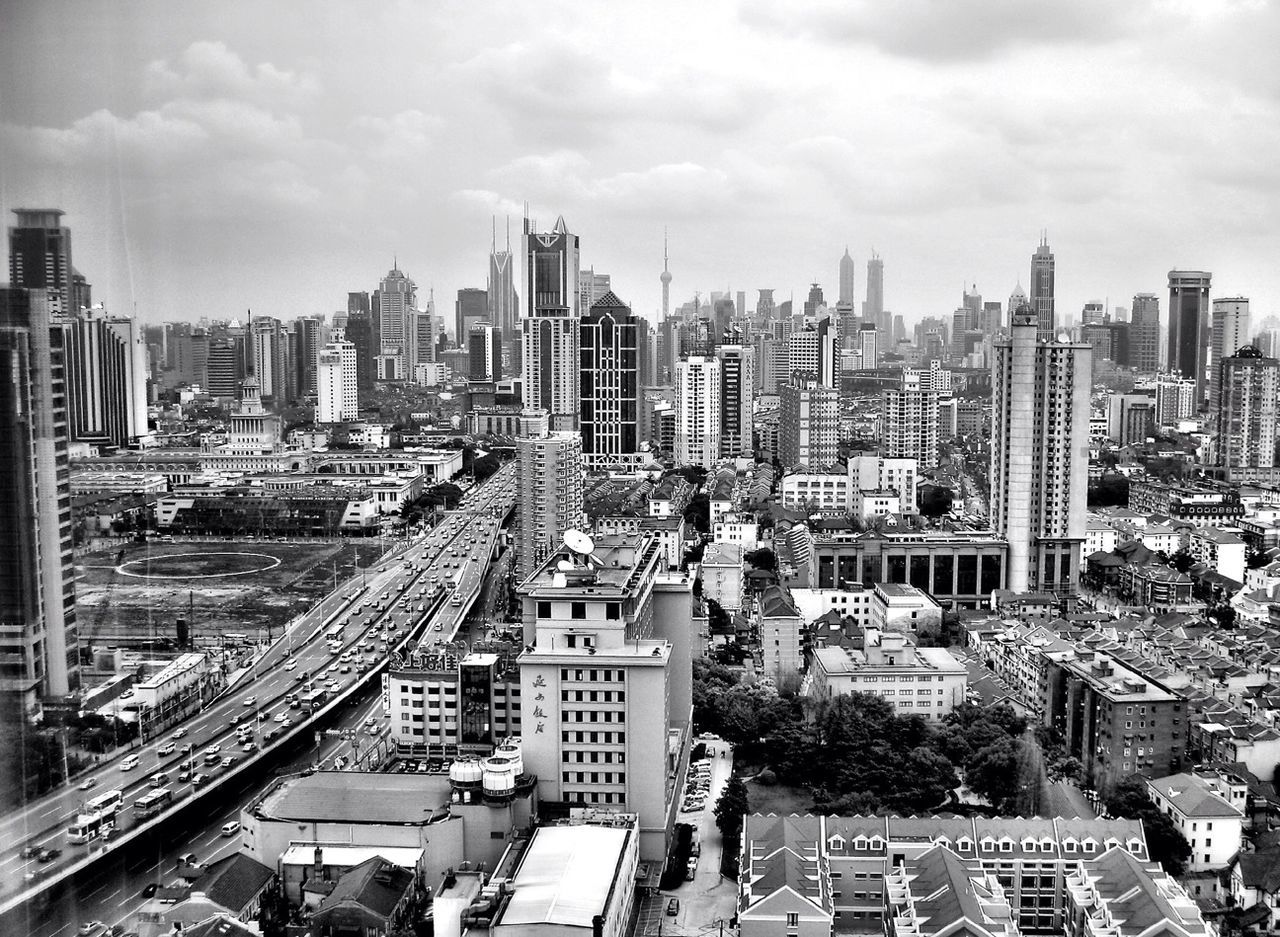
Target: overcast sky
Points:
(216, 156)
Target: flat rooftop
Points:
(357, 797)
(566, 876)
(406, 857)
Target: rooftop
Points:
(357, 797)
(1193, 796)
(566, 876)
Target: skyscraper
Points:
(268, 350)
(504, 303)
(812, 350)
(808, 423)
(815, 300)
(1229, 332)
(909, 418)
(698, 410)
(40, 257)
(1040, 455)
(395, 297)
(308, 331)
(361, 330)
(37, 573)
(847, 269)
(873, 308)
(609, 346)
(471, 308)
(550, 472)
(550, 349)
(484, 353)
(1144, 333)
(337, 396)
(1189, 326)
(591, 287)
(106, 377)
(1042, 290)
(1248, 400)
(737, 383)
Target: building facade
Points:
(698, 397)
(609, 346)
(337, 383)
(1189, 327)
(809, 423)
(550, 472)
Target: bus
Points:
(334, 634)
(152, 803)
(108, 803)
(234, 638)
(89, 826)
(313, 700)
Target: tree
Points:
(934, 500)
(731, 809)
(1111, 489)
(763, 558)
(485, 467)
(1182, 561)
(698, 513)
(1165, 843)
(994, 772)
(1224, 616)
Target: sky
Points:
(220, 156)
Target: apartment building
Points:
(927, 682)
(900, 607)
(443, 704)
(1210, 824)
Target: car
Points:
(184, 775)
(90, 927)
(198, 779)
(182, 730)
(167, 749)
(287, 723)
(88, 784)
(130, 763)
(48, 855)
(250, 701)
(29, 852)
(234, 720)
(345, 668)
(280, 717)
(290, 664)
(227, 761)
(332, 686)
(371, 722)
(150, 890)
(303, 677)
(188, 860)
(333, 668)
(271, 734)
(230, 829)
(673, 907)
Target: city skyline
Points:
(168, 148)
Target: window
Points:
(793, 919)
(578, 610)
(544, 609)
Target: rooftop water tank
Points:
(466, 773)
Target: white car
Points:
(168, 748)
(280, 717)
(129, 763)
(180, 733)
(250, 701)
(291, 664)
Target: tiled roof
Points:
(374, 884)
(234, 882)
(1193, 797)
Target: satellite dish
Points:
(565, 566)
(579, 542)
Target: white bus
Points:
(108, 802)
(152, 803)
(89, 826)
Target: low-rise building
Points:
(899, 607)
(374, 897)
(927, 682)
(937, 893)
(778, 623)
(1223, 550)
(1209, 823)
(722, 575)
(1120, 895)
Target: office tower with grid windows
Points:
(609, 346)
(698, 410)
(1189, 327)
(37, 577)
(106, 377)
(1229, 331)
(549, 353)
(1042, 290)
(808, 423)
(737, 383)
(1248, 400)
(550, 472)
(338, 396)
(1144, 333)
(1040, 455)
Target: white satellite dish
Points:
(565, 566)
(579, 542)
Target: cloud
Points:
(951, 30)
(208, 69)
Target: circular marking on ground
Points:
(170, 565)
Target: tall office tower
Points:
(873, 307)
(1040, 455)
(1175, 400)
(106, 376)
(1267, 337)
(1130, 418)
(550, 340)
(992, 320)
(395, 297)
(808, 423)
(868, 345)
(591, 287)
(484, 353)
(338, 392)
(737, 388)
(847, 268)
(225, 368)
(361, 331)
(1042, 290)
(550, 472)
(1093, 313)
(421, 341)
(646, 353)
(722, 316)
(740, 303)
(609, 346)
(770, 364)
(815, 300)
(1230, 331)
(972, 303)
(909, 418)
(200, 358)
(698, 410)
(812, 350)
(40, 257)
(1189, 326)
(1109, 341)
(268, 350)
(765, 308)
(310, 331)
(899, 329)
(501, 296)
(1144, 333)
(606, 684)
(470, 308)
(37, 574)
(1248, 396)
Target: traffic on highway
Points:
(420, 591)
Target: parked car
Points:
(673, 907)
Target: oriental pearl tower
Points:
(667, 337)
(666, 280)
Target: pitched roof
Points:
(1261, 870)
(234, 882)
(374, 884)
(1193, 797)
(220, 925)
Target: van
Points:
(159, 779)
(130, 763)
(230, 829)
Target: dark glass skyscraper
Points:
(1042, 302)
(609, 349)
(1189, 326)
(40, 257)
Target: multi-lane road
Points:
(421, 591)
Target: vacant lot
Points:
(139, 592)
(781, 799)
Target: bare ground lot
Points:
(218, 586)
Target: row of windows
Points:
(604, 738)
(605, 675)
(594, 777)
(578, 610)
(594, 758)
(593, 696)
(575, 715)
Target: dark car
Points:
(150, 890)
(48, 855)
(29, 851)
